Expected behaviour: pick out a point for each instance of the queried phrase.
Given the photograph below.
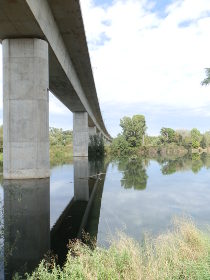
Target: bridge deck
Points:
(36, 19)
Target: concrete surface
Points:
(80, 134)
(81, 178)
(26, 109)
(70, 74)
(26, 224)
(92, 130)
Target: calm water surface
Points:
(134, 196)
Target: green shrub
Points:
(183, 253)
(96, 146)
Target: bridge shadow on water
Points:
(27, 234)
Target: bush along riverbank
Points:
(133, 140)
(182, 253)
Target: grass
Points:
(182, 253)
(61, 154)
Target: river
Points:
(136, 196)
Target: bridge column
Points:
(92, 130)
(26, 224)
(81, 177)
(26, 109)
(80, 134)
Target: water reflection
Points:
(27, 217)
(81, 202)
(193, 162)
(134, 173)
(26, 224)
(88, 176)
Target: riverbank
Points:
(163, 150)
(61, 155)
(182, 253)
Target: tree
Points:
(59, 137)
(178, 138)
(196, 138)
(96, 146)
(120, 146)
(203, 142)
(134, 130)
(207, 138)
(167, 135)
(206, 81)
(196, 163)
(134, 174)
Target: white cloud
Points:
(148, 58)
(141, 60)
(56, 107)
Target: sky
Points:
(148, 57)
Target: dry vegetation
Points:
(183, 253)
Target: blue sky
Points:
(148, 57)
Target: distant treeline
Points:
(61, 146)
(134, 138)
(60, 137)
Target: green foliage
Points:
(187, 142)
(193, 162)
(195, 144)
(96, 146)
(132, 137)
(134, 130)
(181, 253)
(60, 137)
(207, 138)
(171, 166)
(61, 146)
(203, 142)
(167, 135)
(197, 163)
(119, 146)
(134, 140)
(135, 175)
(196, 138)
(206, 81)
(152, 140)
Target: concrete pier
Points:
(81, 177)
(92, 130)
(26, 109)
(26, 224)
(80, 134)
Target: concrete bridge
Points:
(44, 48)
(28, 235)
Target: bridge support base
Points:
(26, 109)
(80, 134)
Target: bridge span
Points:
(44, 48)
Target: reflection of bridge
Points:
(74, 219)
(27, 217)
(44, 47)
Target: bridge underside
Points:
(44, 48)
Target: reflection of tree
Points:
(135, 175)
(192, 162)
(172, 166)
(196, 163)
(206, 160)
(96, 166)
